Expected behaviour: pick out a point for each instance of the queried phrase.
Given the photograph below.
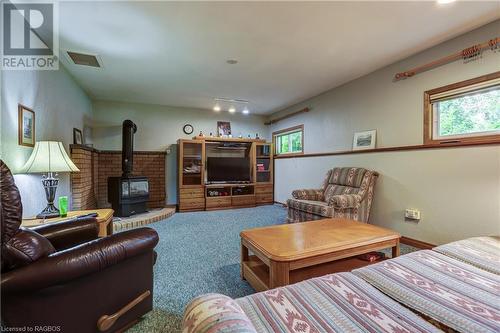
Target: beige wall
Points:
(159, 127)
(457, 190)
(59, 105)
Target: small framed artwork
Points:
(26, 126)
(364, 140)
(77, 136)
(223, 128)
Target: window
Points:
(464, 112)
(289, 141)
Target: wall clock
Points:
(188, 129)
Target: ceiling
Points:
(174, 53)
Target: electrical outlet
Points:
(412, 214)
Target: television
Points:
(228, 169)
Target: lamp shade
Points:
(49, 156)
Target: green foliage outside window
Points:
(287, 143)
(469, 114)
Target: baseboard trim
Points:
(416, 243)
(280, 203)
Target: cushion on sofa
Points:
(215, 313)
(310, 206)
(352, 177)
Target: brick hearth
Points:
(90, 185)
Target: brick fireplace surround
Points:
(89, 187)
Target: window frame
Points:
(430, 122)
(289, 130)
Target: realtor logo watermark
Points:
(30, 39)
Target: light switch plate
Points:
(412, 214)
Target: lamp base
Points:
(48, 212)
(49, 183)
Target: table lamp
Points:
(49, 157)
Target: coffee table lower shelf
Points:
(257, 273)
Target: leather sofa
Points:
(62, 278)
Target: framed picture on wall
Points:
(224, 128)
(77, 136)
(364, 140)
(26, 126)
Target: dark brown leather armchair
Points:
(62, 278)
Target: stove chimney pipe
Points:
(128, 130)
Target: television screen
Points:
(228, 169)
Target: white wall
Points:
(458, 190)
(59, 105)
(159, 127)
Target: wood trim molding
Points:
(395, 149)
(428, 116)
(142, 152)
(416, 243)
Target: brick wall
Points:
(83, 190)
(107, 164)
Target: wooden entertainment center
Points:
(195, 191)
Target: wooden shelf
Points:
(192, 190)
(214, 138)
(258, 272)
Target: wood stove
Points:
(128, 194)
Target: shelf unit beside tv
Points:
(194, 191)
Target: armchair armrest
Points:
(309, 194)
(88, 258)
(345, 201)
(66, 234)
(205, 311)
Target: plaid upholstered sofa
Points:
(346, 192)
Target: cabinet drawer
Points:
(264, 198)
(243, 200)
(218, 202)
(196, 203)
(187, 193)
(264, 189)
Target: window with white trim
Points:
(289, 141)
(467, 111)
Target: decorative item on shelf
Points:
(201, 134)
(249, 136)
(211, 134)
(26, 126)
(240, 136)
(193, 168)
(223, 129)
(63, 206)
(364, 140)
(51, 158)
(257, 135)
(261, 167)
(77, 136)
(188, 129)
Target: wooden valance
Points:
(274, 121)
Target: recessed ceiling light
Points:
(444, 2)
(232, 61)
(232, 109)
(245, 110)
(217, 108)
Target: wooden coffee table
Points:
(289, 253)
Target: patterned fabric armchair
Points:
(346, 193)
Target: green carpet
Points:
(199, 253)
